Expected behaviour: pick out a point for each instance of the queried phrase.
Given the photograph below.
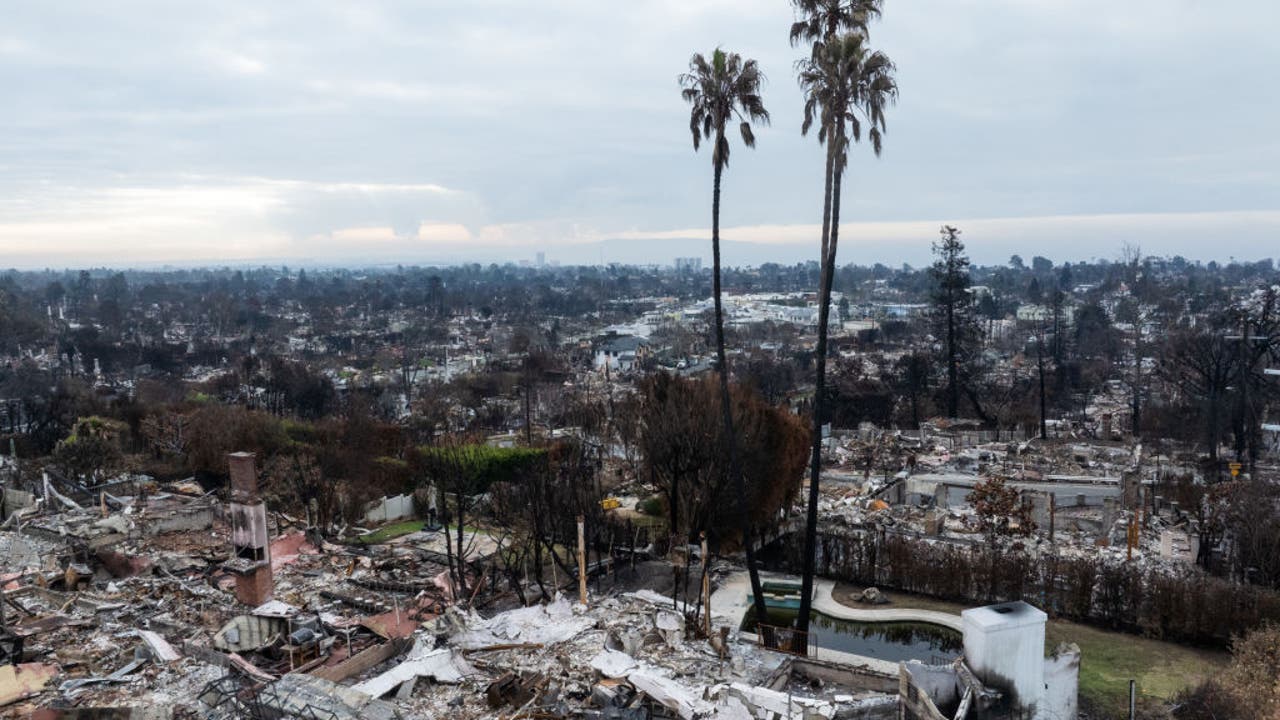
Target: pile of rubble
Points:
(167, 603)
(627, 656)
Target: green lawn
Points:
(388, 532)
(1108, 660)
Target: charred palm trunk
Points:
(826, 211)
(831, 223)
(726, 410)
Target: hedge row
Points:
(1187, 606)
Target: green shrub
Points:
(652, 505)
(479, 465)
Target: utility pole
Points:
(1135, 414)
(582, 562)
(706, 588)
(1044, 432)
(1053, 511)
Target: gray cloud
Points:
(148, 131)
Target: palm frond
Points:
(817, 20)
(720, 90)
(846, 85)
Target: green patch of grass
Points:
(1108, 660)
(390, 532)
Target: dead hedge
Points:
(1188, 607)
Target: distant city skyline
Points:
(406, 132)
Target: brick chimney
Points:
(250, 541)
(244, 477)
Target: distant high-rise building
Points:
(688, 264)
(542, 259)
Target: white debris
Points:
(439, 665)
(649, 596)
(670, 694)
(117, 523)
(612, 663)
(539, 624)
(731, 708)
(671, 625)
(160, 648)
(276, 609)
(771, 703)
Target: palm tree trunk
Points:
(830, 225)
(735, 469)
(826, 208)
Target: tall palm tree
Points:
(722, 91)
(846, 86)
(816, 20)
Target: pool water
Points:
(891, 641)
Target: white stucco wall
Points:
(1062, 680)
(941, 684)
(1004, 646)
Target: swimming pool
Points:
(891, 641)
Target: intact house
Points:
(620, 353)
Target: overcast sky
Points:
(419, 131)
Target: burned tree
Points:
(954, 318)
(1202, 366)
(459, 471)
(1001, 510)
(540, 501)
(1258, 346)
(684, 455)
(912, 381)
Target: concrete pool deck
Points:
(729, 604)
(824, 603)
